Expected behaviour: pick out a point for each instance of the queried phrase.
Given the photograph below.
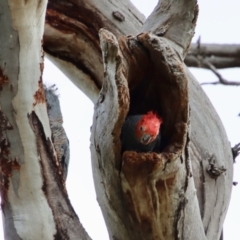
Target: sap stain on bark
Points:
(39, 95)
(3, 79)
(7, 165)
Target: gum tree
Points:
(126, 65)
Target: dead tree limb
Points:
(221, 80)
(218, 55)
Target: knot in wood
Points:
(101, 98)
(117, 15)
(213, 170)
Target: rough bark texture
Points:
(158, 186)
(175, 20)
(158, 199)
(34, 202)
(113, 96)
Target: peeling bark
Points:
(53, 186)
(8, 165)
(35, 204)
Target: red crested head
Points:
(147, 128)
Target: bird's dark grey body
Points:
(129, 140)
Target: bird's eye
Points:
(141, 128)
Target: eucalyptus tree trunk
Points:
(34, 202)
(181, 193)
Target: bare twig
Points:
(197, 45)
(221, 80)
(213, 56)
(235, 151)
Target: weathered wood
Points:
(208, 141)
(158, 196)
(144, 203)
(106, 156)
(71, 37)
(175, 20)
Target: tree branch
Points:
(71, 37)
(219, 55)
(221, 80)
(175, 20)
(213, 56)
(68, 35)
(235, 151)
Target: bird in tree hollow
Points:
(141, 133)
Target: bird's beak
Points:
(146, 139)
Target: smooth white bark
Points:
(27, 203)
